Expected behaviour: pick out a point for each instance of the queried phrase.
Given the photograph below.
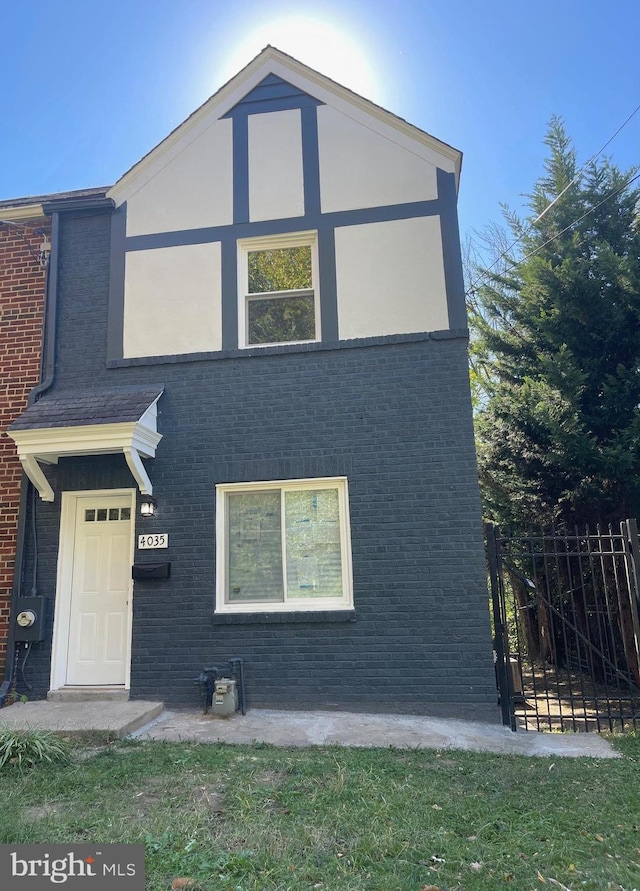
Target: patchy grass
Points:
(257, 818)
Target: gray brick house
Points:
(262, 326)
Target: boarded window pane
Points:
(255, 547)
(282, 269)
(314, 562)
(281, 319)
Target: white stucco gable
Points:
(282, 150)
(325, 90)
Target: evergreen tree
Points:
(556, 344)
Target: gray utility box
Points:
(225, 697)
(29, 619)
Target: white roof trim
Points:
(21, 212)
(48, 444)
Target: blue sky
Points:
(89, 86)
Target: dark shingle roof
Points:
(98, 192)
(114, 406)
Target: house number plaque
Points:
(157, 540)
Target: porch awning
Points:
(98, 422)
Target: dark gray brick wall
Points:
(393, 417)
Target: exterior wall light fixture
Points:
(148, 506)
(42, 255)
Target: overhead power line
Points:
(580, 172)
(552, 203)
(579, 220)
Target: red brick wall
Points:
(22, 284)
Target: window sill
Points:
(336, 615)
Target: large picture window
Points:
(278, 287)
(283, 546)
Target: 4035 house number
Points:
(149, 542)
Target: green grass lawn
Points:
(257, 817)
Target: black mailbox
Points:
(142, 571)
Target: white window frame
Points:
(266, 243)
(303, 604)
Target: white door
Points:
(98, 644)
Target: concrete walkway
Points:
(147, 720)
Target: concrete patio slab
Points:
(400, 731)
(147, 720)
(113, 719)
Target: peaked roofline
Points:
(271, 53)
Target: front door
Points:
(100, 591)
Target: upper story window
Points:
(278, 290)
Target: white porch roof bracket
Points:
(37, 477)
(138, 471)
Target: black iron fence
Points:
(567, 630)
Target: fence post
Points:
(501, 643)
(629, 529)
